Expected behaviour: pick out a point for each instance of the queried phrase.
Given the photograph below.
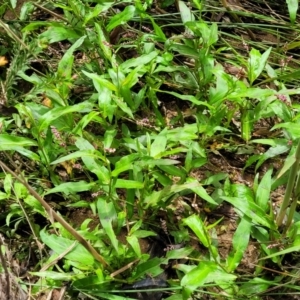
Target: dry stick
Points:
(59, 219)
(50, 12)
(8, 30)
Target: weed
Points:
(141, 149)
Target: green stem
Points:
(289, 190)
(293, 205)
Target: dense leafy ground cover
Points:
(149, 150)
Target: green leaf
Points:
(262, 235)
(252, 210)
(110, 296)
(181, 253)
(130, 80)
(293, 8)
(168, 191)
(60, 244)
(80, 154)
(151, 268)
(186, 133)
(7, 184)
(197, 277)
(209, 34)
(280, 148)
(121, 18)
(162, 162)
(15, 143)
(185, 50)
(10, 142)
(283, 252)
(124, 164)
(20, 190)
(104, 44)
(96, 11)
(64, 70)
(54, 275)
(35, 204)
(104, 89)
(72, 187)
(196, 224)
(221, 277)
(256, 63)
(100, 81)
(26, 11)
(162, 178)
(142, 60)
(58, 33)
(141, 234)
(292, 128)
(254, 286)
(158, 31)
(174, 171)
(128, 184)
(134, 243)
(240, 243)
(185, 12)
(246, 123)
(287, 165)
(262, 197)
(190, 98)
(3, 196)
(109, 136)
(93, 165)
(57, 112)
(108, 215)
(13, 3)
(123, 105)
(84, 121)
(158, 146)
(201, 192)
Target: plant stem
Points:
(289, 190)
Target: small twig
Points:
(59, 257)
(62, 293)
(278, 16)
(12, 34)
(123, 268)
(50, 12)
(237, 19)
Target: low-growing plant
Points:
(147, 125)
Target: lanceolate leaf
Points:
(107, 215)
(72, 187)
(293, 8)
(252, 210)
(57, 112)
(60, 244)
(119, 19)
(64, 70)
(256, 63)
(8, 142)
(240, 242)
(262, 197)
(197, 277)
(196, 224)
